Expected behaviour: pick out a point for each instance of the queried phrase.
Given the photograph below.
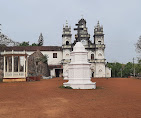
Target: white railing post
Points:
(12, 64)
(26, 66)
(4, 66)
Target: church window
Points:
(99, 42)
(67, 42)
(54, 55)
(92, 56)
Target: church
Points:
(59, 56)
(95, 49)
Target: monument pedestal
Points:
(79, 69)
(90, 85)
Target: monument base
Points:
(91, 85)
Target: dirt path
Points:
(114, 98)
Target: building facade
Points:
(95, 49)
(59, 56)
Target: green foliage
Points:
(66, 87)
(34, 44)
(27, 44)
(124, 70)
(138, 67)
(24, 43)
(128, 69)
(116, 68)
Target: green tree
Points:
(115, 68)
(138, 68)
(24, 43)
(128, 69)
(34, 44)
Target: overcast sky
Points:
(24, 20)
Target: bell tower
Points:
(66, 36)
(99, 51)
(98, 34)
(66, 46)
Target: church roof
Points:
(32, 48)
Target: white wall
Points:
(99, 54)
(100, 70)
(51, 60)
(108, 72)
(66, 54)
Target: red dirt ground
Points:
(114, 98)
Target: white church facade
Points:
(95, 49)
(59, 56)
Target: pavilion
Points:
(11, 74)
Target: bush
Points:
(66, 87)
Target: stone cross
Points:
(78, 30)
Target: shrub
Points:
(67, 87)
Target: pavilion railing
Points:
(14, 75)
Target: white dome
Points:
(79, 47)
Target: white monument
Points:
(79, 69)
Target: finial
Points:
(98, 22)
(0, 24)
(82, 16)
(66, 22)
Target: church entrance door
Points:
(58, 72)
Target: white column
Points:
(26, 66)
(12, 65)
(4, 67)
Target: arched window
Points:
(67, 42)
(92, 56)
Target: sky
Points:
(24, 20)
